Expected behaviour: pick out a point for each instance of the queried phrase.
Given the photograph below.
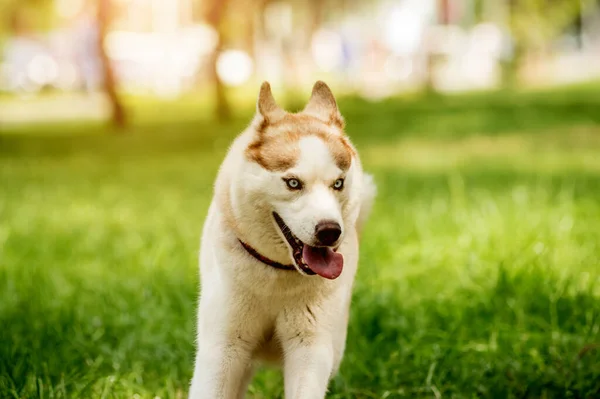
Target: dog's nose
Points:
(328, 232)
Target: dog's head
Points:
(302, 170)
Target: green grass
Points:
(479, 271)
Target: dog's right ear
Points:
(322, 105)
(266, 105)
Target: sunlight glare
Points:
(234, 67)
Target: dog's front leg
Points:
(224, 349)
(308, 365)
(221, 366)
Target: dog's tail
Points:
(369, 191)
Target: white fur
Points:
(250, 311)
(317, 202)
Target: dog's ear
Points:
(322, 105)
(266, 105)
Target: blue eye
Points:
(339, 184)
(293, 184)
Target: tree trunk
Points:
(432, 60)
(118, 112)
(317, 11)
(222, 107)
(511, 68)
(215, 19)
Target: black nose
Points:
(328, 232)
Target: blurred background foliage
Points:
(479, 270)
(168, 48)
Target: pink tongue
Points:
(323, 261)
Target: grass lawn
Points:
(479, 272)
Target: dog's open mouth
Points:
(324, 261)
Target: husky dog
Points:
(280, 250)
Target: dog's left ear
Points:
(322, 105)
(266, 105)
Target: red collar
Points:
(264, 259)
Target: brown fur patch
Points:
(338, 121)
(274, 152)
(340, 150)
(276, 145)
(262, 126)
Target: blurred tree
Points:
(433, 59)
(236, 22)
(317, 10)
(534, 24)
(215, 16)
(20, 17)
(104, 16)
